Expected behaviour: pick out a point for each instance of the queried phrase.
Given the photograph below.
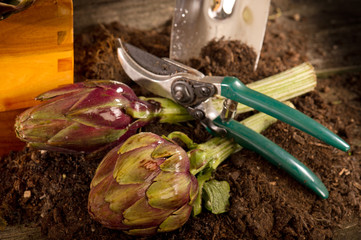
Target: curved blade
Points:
(147, 70)
(151, 72)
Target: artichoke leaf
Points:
(80, 135)
(139, 140)
(137, 166)
(169, 190)
(141, 214)
(216, 196)
(178, 218)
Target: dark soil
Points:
(50, 190)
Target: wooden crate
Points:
(36, 54)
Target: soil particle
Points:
(50, 190)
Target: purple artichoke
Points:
(143, 187)
(88, 116)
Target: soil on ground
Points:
(47, 189)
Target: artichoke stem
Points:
(169, 111)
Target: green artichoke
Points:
(91, 115)
(149, 184)
(143, 187)
(8, 7)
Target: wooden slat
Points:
(36, 52)
(8, 139)
(36, 55)
(140, 14)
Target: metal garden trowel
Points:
(196, 22)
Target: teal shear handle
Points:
(235, 90)
(254, 141)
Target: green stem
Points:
(202, 177)
(283, 86)
(184, 138)
(324, 73)
(170, 112)
(215, 150)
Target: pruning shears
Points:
(193, 90)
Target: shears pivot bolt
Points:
(198, 114)
(183, 92)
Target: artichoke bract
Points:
(91, 115)
(143, 187)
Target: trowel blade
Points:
(196, 22)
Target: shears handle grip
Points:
(235, 90)
(254, 141)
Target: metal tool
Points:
(193, 90)
(197, 22)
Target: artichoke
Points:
(91, 115)
(150, 184)
(9, 7)
(143, 187)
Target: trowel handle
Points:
(235, 90)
